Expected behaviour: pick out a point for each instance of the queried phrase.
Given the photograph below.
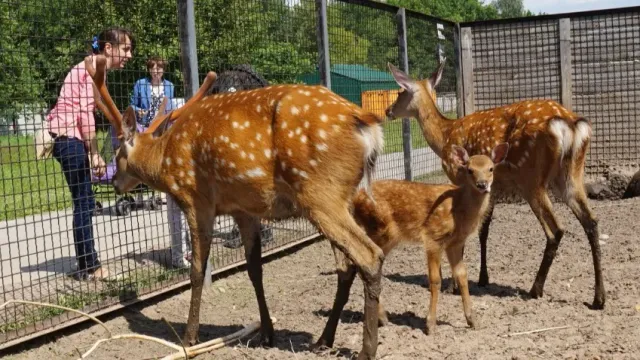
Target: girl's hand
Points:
(98, 165)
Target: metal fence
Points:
(281, 39)
(589, 61)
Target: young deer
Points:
(440, 217)
(274, 152)
(548, 148)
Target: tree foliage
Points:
(40, 41)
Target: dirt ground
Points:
(300, 289)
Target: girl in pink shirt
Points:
(72, 125)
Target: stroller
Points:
(124, 203)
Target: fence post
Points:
(324, 64)
(401, 22)
(565, 62)
(189, 58)
(457, 51)
(467, 70)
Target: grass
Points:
(29, 186)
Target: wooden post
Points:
(565, 62)
(401, 22)
(324, 65)
(467, 70)
(457, 64)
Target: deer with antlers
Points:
(548, 147)
(274, 152)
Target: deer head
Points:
(413, 94)
(476, 171)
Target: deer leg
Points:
(201, 245)
(459, 270)
(346, 274)
(576, 199)
(433, 260)
(250, 234)
(541, 206)
(333, 219)
(484, 235)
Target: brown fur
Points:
(548, 146)
(274, 152)
(440, 217)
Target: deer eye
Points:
(470, 171)
(491, 170)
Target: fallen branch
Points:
(536, 331)
(180, 350)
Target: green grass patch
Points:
(29, 186)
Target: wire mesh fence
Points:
(595, 76)
(140, 237)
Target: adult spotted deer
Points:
(273, 152)
(440, 217)
(548, 146)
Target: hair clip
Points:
(95, 43)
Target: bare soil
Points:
(300, 289)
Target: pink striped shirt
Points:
(73, 112)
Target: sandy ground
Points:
(300, 289)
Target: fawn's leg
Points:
(484, 235)
(200, 225)
(346, 274)
(250, 234)
(331, 216)
(576, 199)
(459, 270)
(541, 206)
(433, 260)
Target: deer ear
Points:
(459, 155)
(499, 152)
(402, 78)
(435, 78)
(129, 122)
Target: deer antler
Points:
(161, 117)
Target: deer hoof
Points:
(431, 328)
(598, 302)
(536, 291)
(319, 346)
(266, 340)
(484, 279)
(471, 321)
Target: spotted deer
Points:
(274, 152)
(440, 217)
(548, 146)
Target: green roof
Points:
(361, 73)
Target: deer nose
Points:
(389, 112)
(482, 185)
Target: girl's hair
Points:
(156, 60)
(113, 35)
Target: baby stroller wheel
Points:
(123, 206)
(98, 208)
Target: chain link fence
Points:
(137, 235)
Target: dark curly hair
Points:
(238, 77)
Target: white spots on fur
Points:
(267, 153)
(305, 107)
(324, 118)
(306, 124)
(534, 121)
(258, 136)
(290, 133)
(190, 116)
(252, 144)
(319, 103)
(179, 161)
(175, 187)
(234, 146)
(298, 131)
(313, 163)
(295, 171)
(235, 125)
(243, 154)
(295, 110)
(322, 134)
(191, 173)
(336, 128)
(322, 147)
(303, 139)
(255, 172)
(246, 124)
(168, 161)
(528, 112)
(283, 125)
(342, 117)
(181, 174)
(258, 108)
(283, 165)
(303, 174)
(289, 152)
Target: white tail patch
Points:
(373, 141)
(560, 129)
(583, 132)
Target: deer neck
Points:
(145, 160)
(435, 126)
(472, 201)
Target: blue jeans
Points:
(73, 158)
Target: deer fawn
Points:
(441, 217)
(548, 146)
(274, 152)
